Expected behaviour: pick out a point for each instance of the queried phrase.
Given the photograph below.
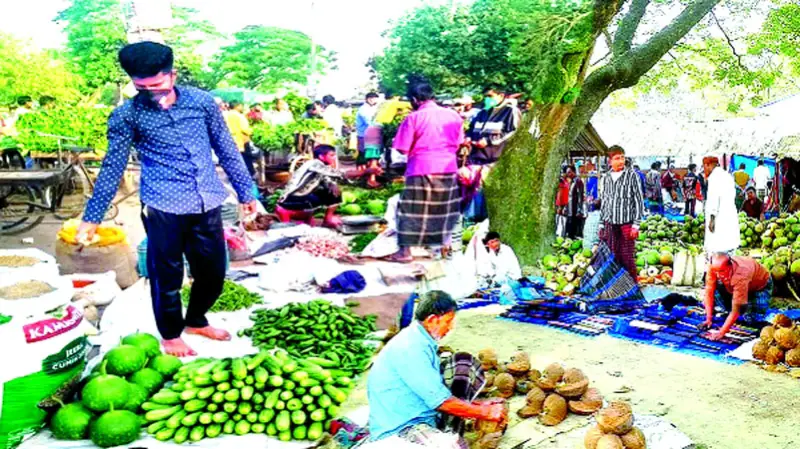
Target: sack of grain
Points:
(43, 352)
(19, 262)
(119, 258)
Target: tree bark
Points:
(521, 188)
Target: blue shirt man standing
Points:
(405, 387)
(175, 129)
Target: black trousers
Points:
(169, 237)
(575, 227)
(689, 207)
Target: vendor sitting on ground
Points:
(313, 186)
(409, 397)
(497, 263)
(738, 285)
(752, 206)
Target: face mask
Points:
(490, 102)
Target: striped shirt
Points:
(621, 200)
(309, 176)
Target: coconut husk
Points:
(782, 320)
(488, 358)
(786, 338)
(573, 384)
(554, 410)
(505, 384)
(634, 439)
(520, 364)
(528, 412)
(590, 402)
(760, 350)
(489, 378)
(535, 399)
(534, 375)
(524, 386)
(554, 372)
(768, 334)
(489, 441)
(592, 437)
(793, 357)
(546, 384)
(774, 355)
(617, 418)
(489, 427)
(610, 442)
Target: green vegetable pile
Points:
(317, 328)
(361, 241)
(234, 297)
(268, 392)
(357, 201)
(88, 124)
(115, 392)
(281, 137)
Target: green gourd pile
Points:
(269, 392)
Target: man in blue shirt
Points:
(405, 387)
(175, 129)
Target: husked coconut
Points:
(774, 355)
(489, 378)
(782, 320)
(610, 442)
(520, 364)
(617, 418)
(534, 375)
(786, 338)
(592, 437)
(534, 400)
(489, 441)
(634, 439)
(505, 384)
(768, 334)
(590, 402)
(554, 410)
(760, 350)
(554, 372)
(573, 384)
(793, 357)
(488, 358)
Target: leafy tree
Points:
(25, 71)
(267, 59)
(185, 37)
(95, 33)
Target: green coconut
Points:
(550, 261)
(349, 197)
(795, 268)
(779, 272)
(587, 253)
(351, 209)
(666, 258)
(652, 258)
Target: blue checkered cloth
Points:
(757, 303)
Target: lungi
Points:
(428, 210)
(623, 248)
(755, 312)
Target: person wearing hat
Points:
(740, 286)
(722, 218)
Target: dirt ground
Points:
(718, 405)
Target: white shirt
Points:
(499, 266)
(721, 203)
(280, 118)
(761, 176)
(333, 116)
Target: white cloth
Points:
(277, 118)
(761, 176)
(499, 266)
(721, 203)
(333, 116)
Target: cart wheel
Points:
(70, 197)
(16, 211)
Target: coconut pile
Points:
(660, 228)
(564, 268)
(615, 430)
(549, 395)
(779, 344)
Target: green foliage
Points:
(516, 44)
(25, 71)
(88, 124)
(297, 103)
(267, 59)
(281, 137)
(185, 37)
(95, 33)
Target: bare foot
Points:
(397, 258)
(209, 332)
(177, 347)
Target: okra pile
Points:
(315, 329)
(269, 392)
(233, 297)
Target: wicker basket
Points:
(281, 177)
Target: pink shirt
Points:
(430, 136)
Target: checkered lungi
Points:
(623, 248)
(428, 210)
(757, 307)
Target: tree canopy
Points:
(267, 58)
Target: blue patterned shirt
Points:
(175, 146)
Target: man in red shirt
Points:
(739, 285)
(562, 201)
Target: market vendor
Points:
(496, 262)
(315, 185)
(740, 286)
(175, 130)
(406, 389)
